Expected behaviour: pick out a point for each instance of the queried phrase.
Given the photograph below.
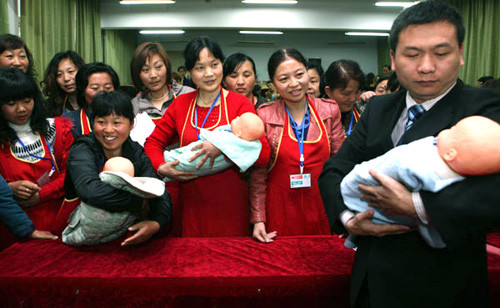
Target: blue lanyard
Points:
(301, 138)
(38, 157)
(206, 117)
(350, 125)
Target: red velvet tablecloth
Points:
(310, 271)
(306, 271)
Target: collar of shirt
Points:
(399, 128)
(427, 104)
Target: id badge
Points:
(45, 178)
(300, 180)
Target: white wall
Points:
(307, 14)
(326, 45)
(314, 27)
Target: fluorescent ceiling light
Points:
(269, 1)
(396, 4)
(367, 33)
(147, 2)
(262, 32)
(161, 32)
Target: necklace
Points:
(210, 101)
(160, 98)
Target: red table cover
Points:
(310, 271)
(302, 271)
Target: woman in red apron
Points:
(303, 133)
(33, 149)
(90, 79)
(343, 81)
(214, 205)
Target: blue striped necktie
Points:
(415, 112)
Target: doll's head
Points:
(471, 146)
(119, 164)
(248, 126)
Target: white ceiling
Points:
(232, 14)
(313, 26)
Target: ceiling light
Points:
(367, 33)
(262, 32)
(269, 1)
(147, 2)
(396, 4)
(161, 32)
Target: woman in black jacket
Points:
(113, 121)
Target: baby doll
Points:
(469, 148)
(119, 164)
(119, 173)
(89, 225)
(238, 142)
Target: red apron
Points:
(85, 123)
(213, 205)
(172, 186)
(43, 214)
(62, 218)
(297, 211)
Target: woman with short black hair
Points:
(240, 76)
(90, 79)
(113, 120)
(344, 80)
(316, 86)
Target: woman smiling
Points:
(303, 133)
(113, 121)
(214, 205)
(15, 53)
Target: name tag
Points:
(45, 178)
(300, 180)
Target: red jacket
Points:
(273, 114)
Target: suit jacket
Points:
(401, 270)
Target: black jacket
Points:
(401, 270)
(85, 161)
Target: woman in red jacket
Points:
(33, 149)
(303, 133)
(214, 205)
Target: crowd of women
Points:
(53, 149)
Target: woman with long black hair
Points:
(33, 148)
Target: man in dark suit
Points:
(393, 266)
